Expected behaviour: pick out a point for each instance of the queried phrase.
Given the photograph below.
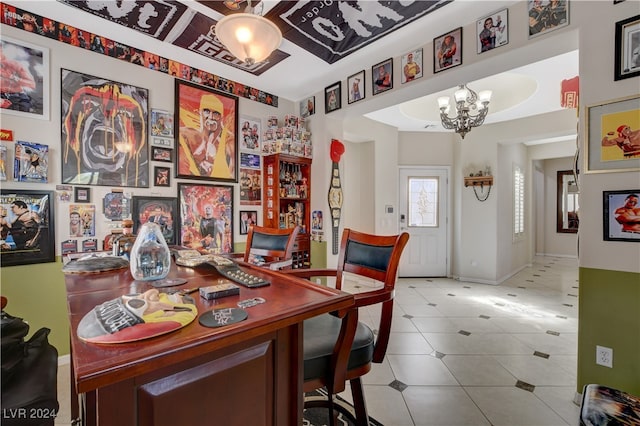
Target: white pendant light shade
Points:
(250, 38)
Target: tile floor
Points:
(472, 354)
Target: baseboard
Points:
(506, 277)
(569, 256)
(64, 359)
(577, 399)
(477, 280)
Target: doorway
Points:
(424, 213)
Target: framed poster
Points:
(82, 194)
(161, 154)
(613, 136)
(27, 228)
(115, 206)
(250, 186)
(620, 215)
(160, 210)
(27, 95)
(207, 138)
(382, 76)
(447, 50)
(308, 107)
(102, 144)
(627, 54)
(206, 217)
(247, 218)
(333, 97)
(411, 64)
(161, 123)
(492, 31)
(547, 15)
(251, 134)
(31, 162)
(355, 87)
(161, 176)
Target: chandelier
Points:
(249, 37)
(471, 109)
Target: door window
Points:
(423, 201)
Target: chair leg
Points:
(332, 411)
(362, 419)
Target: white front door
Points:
(423, 213)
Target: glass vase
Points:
(150, 258)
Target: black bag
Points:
(29, 375)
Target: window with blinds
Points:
(518, 203)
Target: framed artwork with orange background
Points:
(207, 146)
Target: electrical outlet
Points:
(604, 356)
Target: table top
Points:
(289, 300)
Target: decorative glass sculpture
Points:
(150, 258)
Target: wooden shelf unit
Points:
(287, 198)
(478, 181)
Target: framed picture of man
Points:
(411, 63)
(247, 218)
(206, 217)
(207, 137)
(447, 50)
(159, 210)
(333, 97)
(547, 15)
(620, 215)
(382, 76)
(355, 87)
(627, 54)
(492, 31)
(27, 228)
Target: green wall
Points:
(609, 315)
(37, 294)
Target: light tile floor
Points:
(471, 354)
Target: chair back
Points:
(376, 257)
(271, 243)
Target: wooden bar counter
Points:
(248, 373)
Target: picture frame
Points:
(30, 162)
(194, 160)
(250, 134)
(546, 16)
(206, 209)
(308, 107)
(627, 45)
(333, 97)
(121, 161)
(161, 154)
(356, 84)
(250, 187)
(246, 219)
(161, 210)
(495, 34)
(616, 205)
(115, 206)
(34, 60)
(81, 194)
(161, 176)
(161, 123)
(613, 136)
(447, 50)
(412, 66)
(382, 76)
(35, 243)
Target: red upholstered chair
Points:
(340, 349)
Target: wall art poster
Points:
(447, 50)
(547, 15)
(159, 210)
(247, 218)
(161, 123)
(208, 143)
(27, 228)
(411, 66)
(115, 206)
(493, 31)
(251, 134)
(82, 220)
(250, 187)
(104, 132)
(620, 212)
(31, 162)
(206, 217)
(27, 92)
(3, 162)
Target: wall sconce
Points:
(480, 179)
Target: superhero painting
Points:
(104, 132)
